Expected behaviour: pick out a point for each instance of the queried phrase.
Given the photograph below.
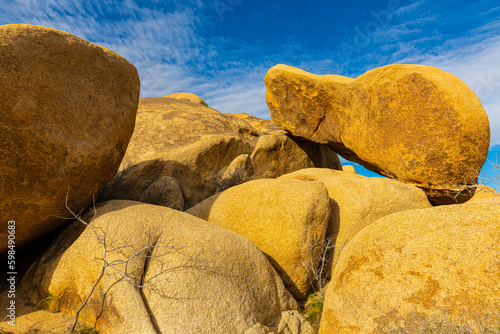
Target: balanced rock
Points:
(356, 202)
(188, 97)
(417, 268)
(414, 123)
(184, 140)
(286, 219)
(67, 112)
(168, 272)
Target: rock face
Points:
(202, 149)
(188, 97)
(165, 192)
(414, 123)
(184, 140)
(418, 266)
(482, 192)
(264, 126)
(198, 277)
(286, 219)
(67, 112)
(278, 154)
(357, 201)
(349, 169)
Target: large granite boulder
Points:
(431, 267)
(356, 202)
(184, 140)
(168, 272)
(286, 219)
(67, 112)
(414, 123)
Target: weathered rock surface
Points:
(264, 126)
(482, 191)
(165, 191)
(286, 219)
(290, 322)
(67, 112)
(184, 140)
(196, 145)
(200, 278)
(438, 262)
(414, 123)
(239, 171)
(279, 154)
(349, 169)
(357, 201)
(188, 97)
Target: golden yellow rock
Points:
(188, 97)
(414, 123)
(427, 265)
(482, 191)
(278, 154)
(197, 276)
(264, 126)
(349, 169)
(67, 112)
(184, 140)
(286, 219)
(357, 201)
(165, 191)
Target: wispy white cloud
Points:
(246, 98)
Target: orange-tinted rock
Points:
(184, 140)
(413, 123)
(278, 154)
(287, 219)
(423, 265)
(264, 126)
(67, 112)
(188, 97)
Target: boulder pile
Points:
(188, 220)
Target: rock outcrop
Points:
(356, 202)
(196, 276)
(349, 169)
(483, 191)
(430, 266)
(188, 97)
(67, 112)
(165, 191)
(202, 148)
(264, 126)
(414, 123)
(184, 140)
(286, 219)
(278, 154)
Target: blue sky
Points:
(221, 49)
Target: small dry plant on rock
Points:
(125, 258)
(475, 183)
